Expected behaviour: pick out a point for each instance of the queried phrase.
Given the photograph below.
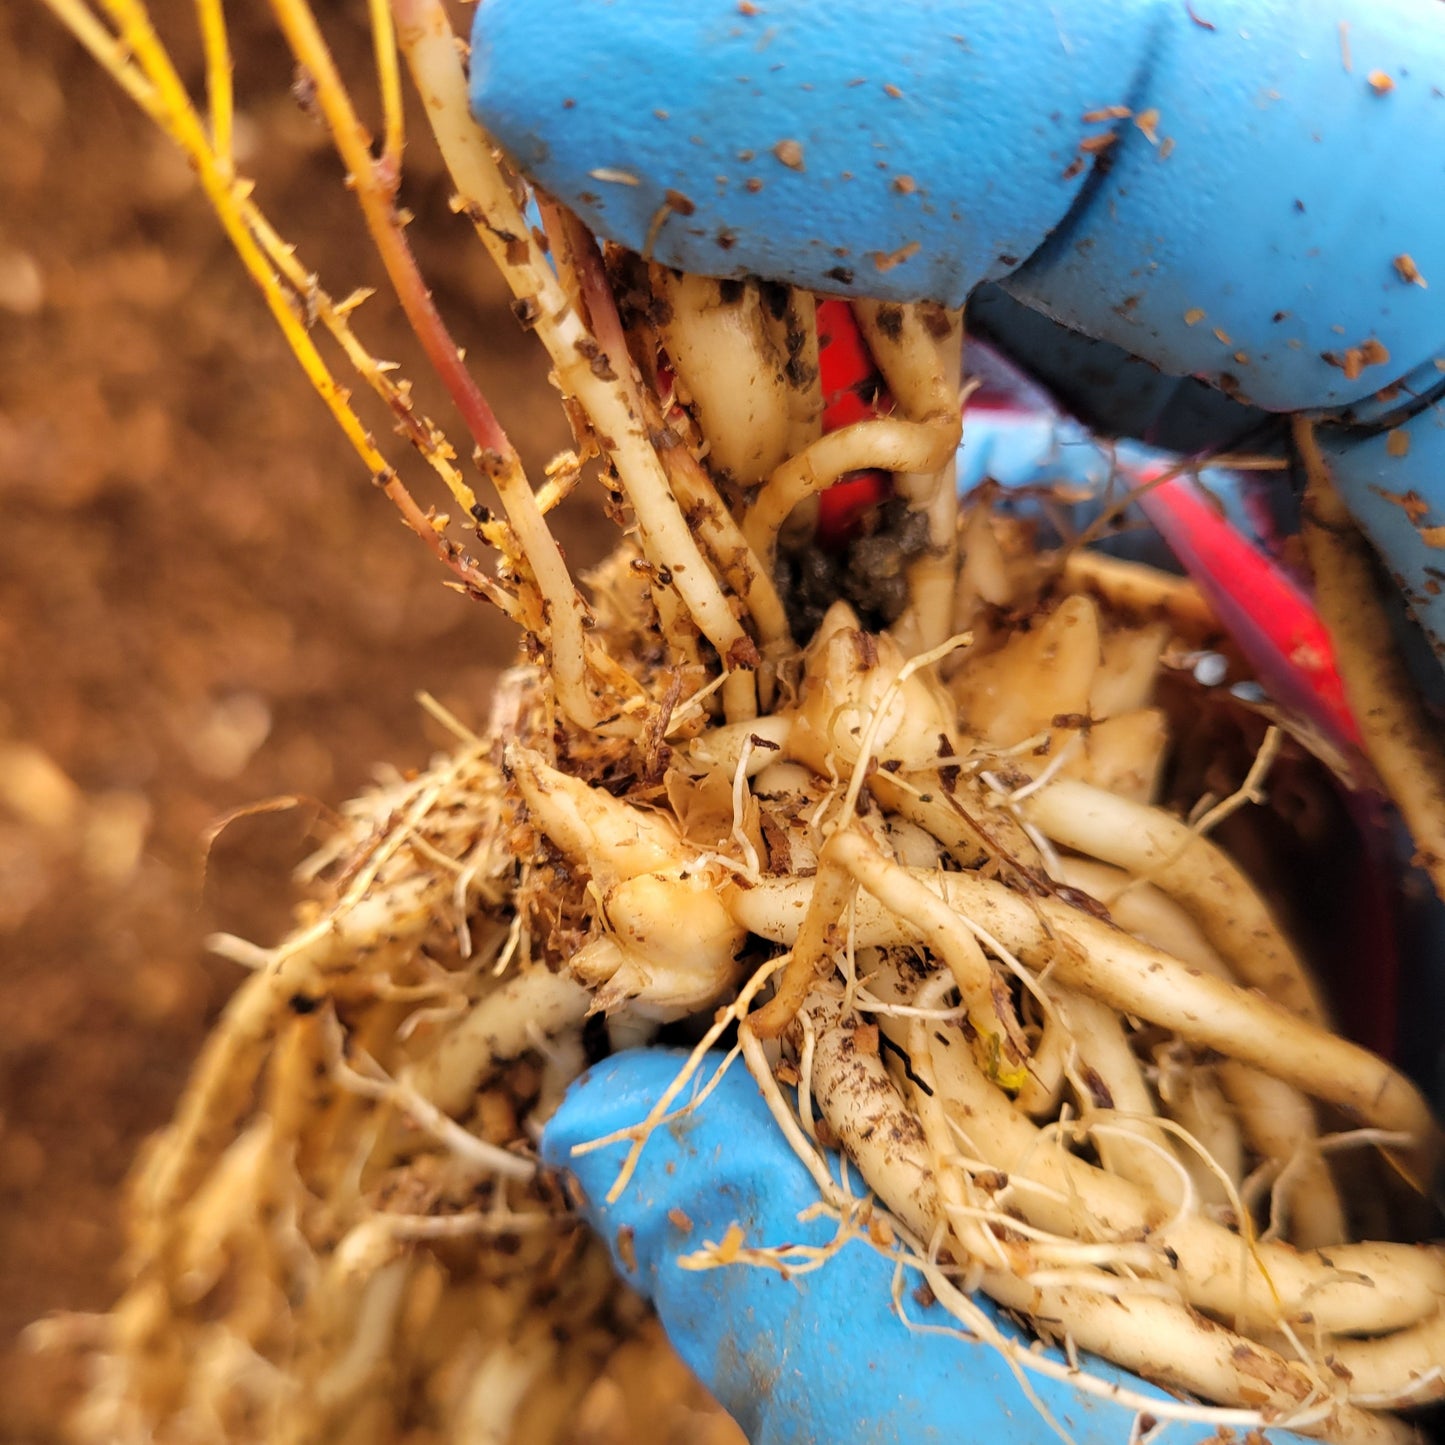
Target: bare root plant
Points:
(918, 855)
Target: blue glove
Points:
(820, 1357)
(1255, 221)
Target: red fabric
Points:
(853, 391)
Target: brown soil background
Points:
(203, 603)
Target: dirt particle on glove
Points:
(679, 1220)
(626, 1249)
(1194, 316)
(790, 153)
(1354, 359)
(1408, 271)
(1414, 506)
(904, 185)
(1397, 443)
(1380, 82)
(1147, 122)
(887, 260)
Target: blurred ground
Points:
(202, 603)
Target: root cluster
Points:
(919, 876)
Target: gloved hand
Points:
(1248, 193)
(822, 1356)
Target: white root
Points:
(1109, 1085)
(367, 1274)
(565, 611)
(984, 578)
(671, 943)
(1152, 1336)
(1356, 1288)
(736, 562)
(499, 1027)
(1280, 1125)
(794, 334)
(919, 349)
(1108, 964)
(905, 896)
(1123, 754)
(1128, 669)
(857, 1098)
(719, 345)
(1398, 1370)
(1168, 853)
(1040, 1095)
(722, 747)
(890, 443)
(1036, 676)
(1400, 739)
(490, 1406)
(1191, 1096)
(1278, 1120)
(859, 690)
(617, 840)
(1144, 594)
